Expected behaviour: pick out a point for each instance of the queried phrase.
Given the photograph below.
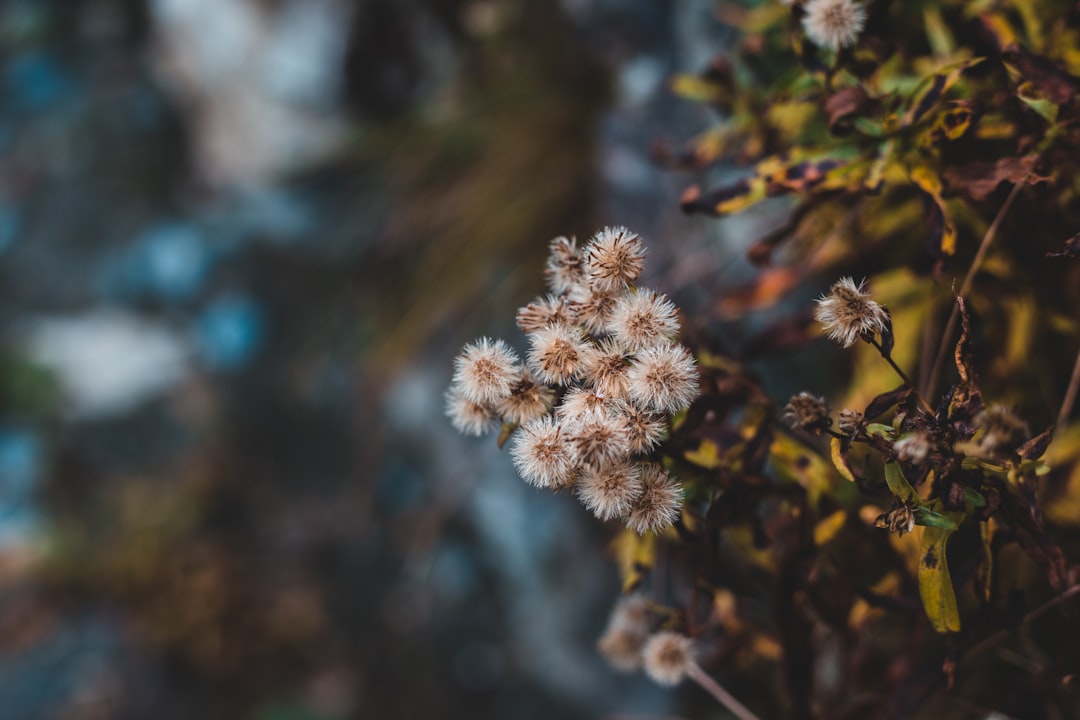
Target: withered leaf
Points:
(844, 103)
(1052, 82)
(979, 179)
(1034, 448)
(886, 400)
(1071, 248)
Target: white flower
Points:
(833, 23)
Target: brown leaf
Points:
(1052, 82)
(1071, 248)
(886, 400)
(1034, 448)
(979, 179)
(843, 103)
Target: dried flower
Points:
(606, 369)
(610, 490)
(658, 505)
(599, 438)
(807, 412)
(833, 23)
(544, 311)
(583, 401)
(468, 417)
(850, 422)
(614, 258)
(527, 401)
(668, 657)
(542, 454)
(901, 519)
(626, 633)
(847, 313)
(913, 448)
(565, 267)
(486, 371)
(1002, 430)
(592, 308)
(644, 429)
(558, 353)
(663, 378)
(642, 319)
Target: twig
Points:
(902, 374)
(722, 696)
(954, 316)
(1070, 395)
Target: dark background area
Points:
(240, 242)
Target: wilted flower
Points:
(913, 448)
(850, 422)
(1001, 430)
(847, 313)
(658, 505)
(901, 519)
(468, 417)
(542, 312)
(663, 378)
(668, 657)
(565, 267)
(527, 401)
(486, 370)
(643, 319)
(807, 412)
(558, 353)
(609, 490)
(613, 259)
(833, 23)
(542, 455)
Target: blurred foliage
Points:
(935, 157)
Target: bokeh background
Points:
(240, 242)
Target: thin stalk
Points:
(954, 316)
(901, 373)
(722, 696)
(1070, 395)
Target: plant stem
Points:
(722, 696)
(1070, 395)
(954, 316)
(902, 374)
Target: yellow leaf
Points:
(706, 456)
(827, 528)
(935, 583)
(838, 459)
(634, 556)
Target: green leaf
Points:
(935, 583)
(898, 484)
(929, 518)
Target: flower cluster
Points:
(592, 398)
(628, 644)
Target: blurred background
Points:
(240, 243)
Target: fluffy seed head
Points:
(658, 505)
(644, 429)
(621, 646)
(544, 311)
(642, 319)
(667, 657)
(663, 378)
(592, 308)
(486, 371)
(468, 417)
(542, 455)
(614, 258)
(606, 370)
(558, 353)
(527, 401)
(807, 412)
(833, 23)
(582, 401)
(847, 313)
(610, 490)
(565, 267)
(599, 439)
(1002, 430)
(913, 448)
